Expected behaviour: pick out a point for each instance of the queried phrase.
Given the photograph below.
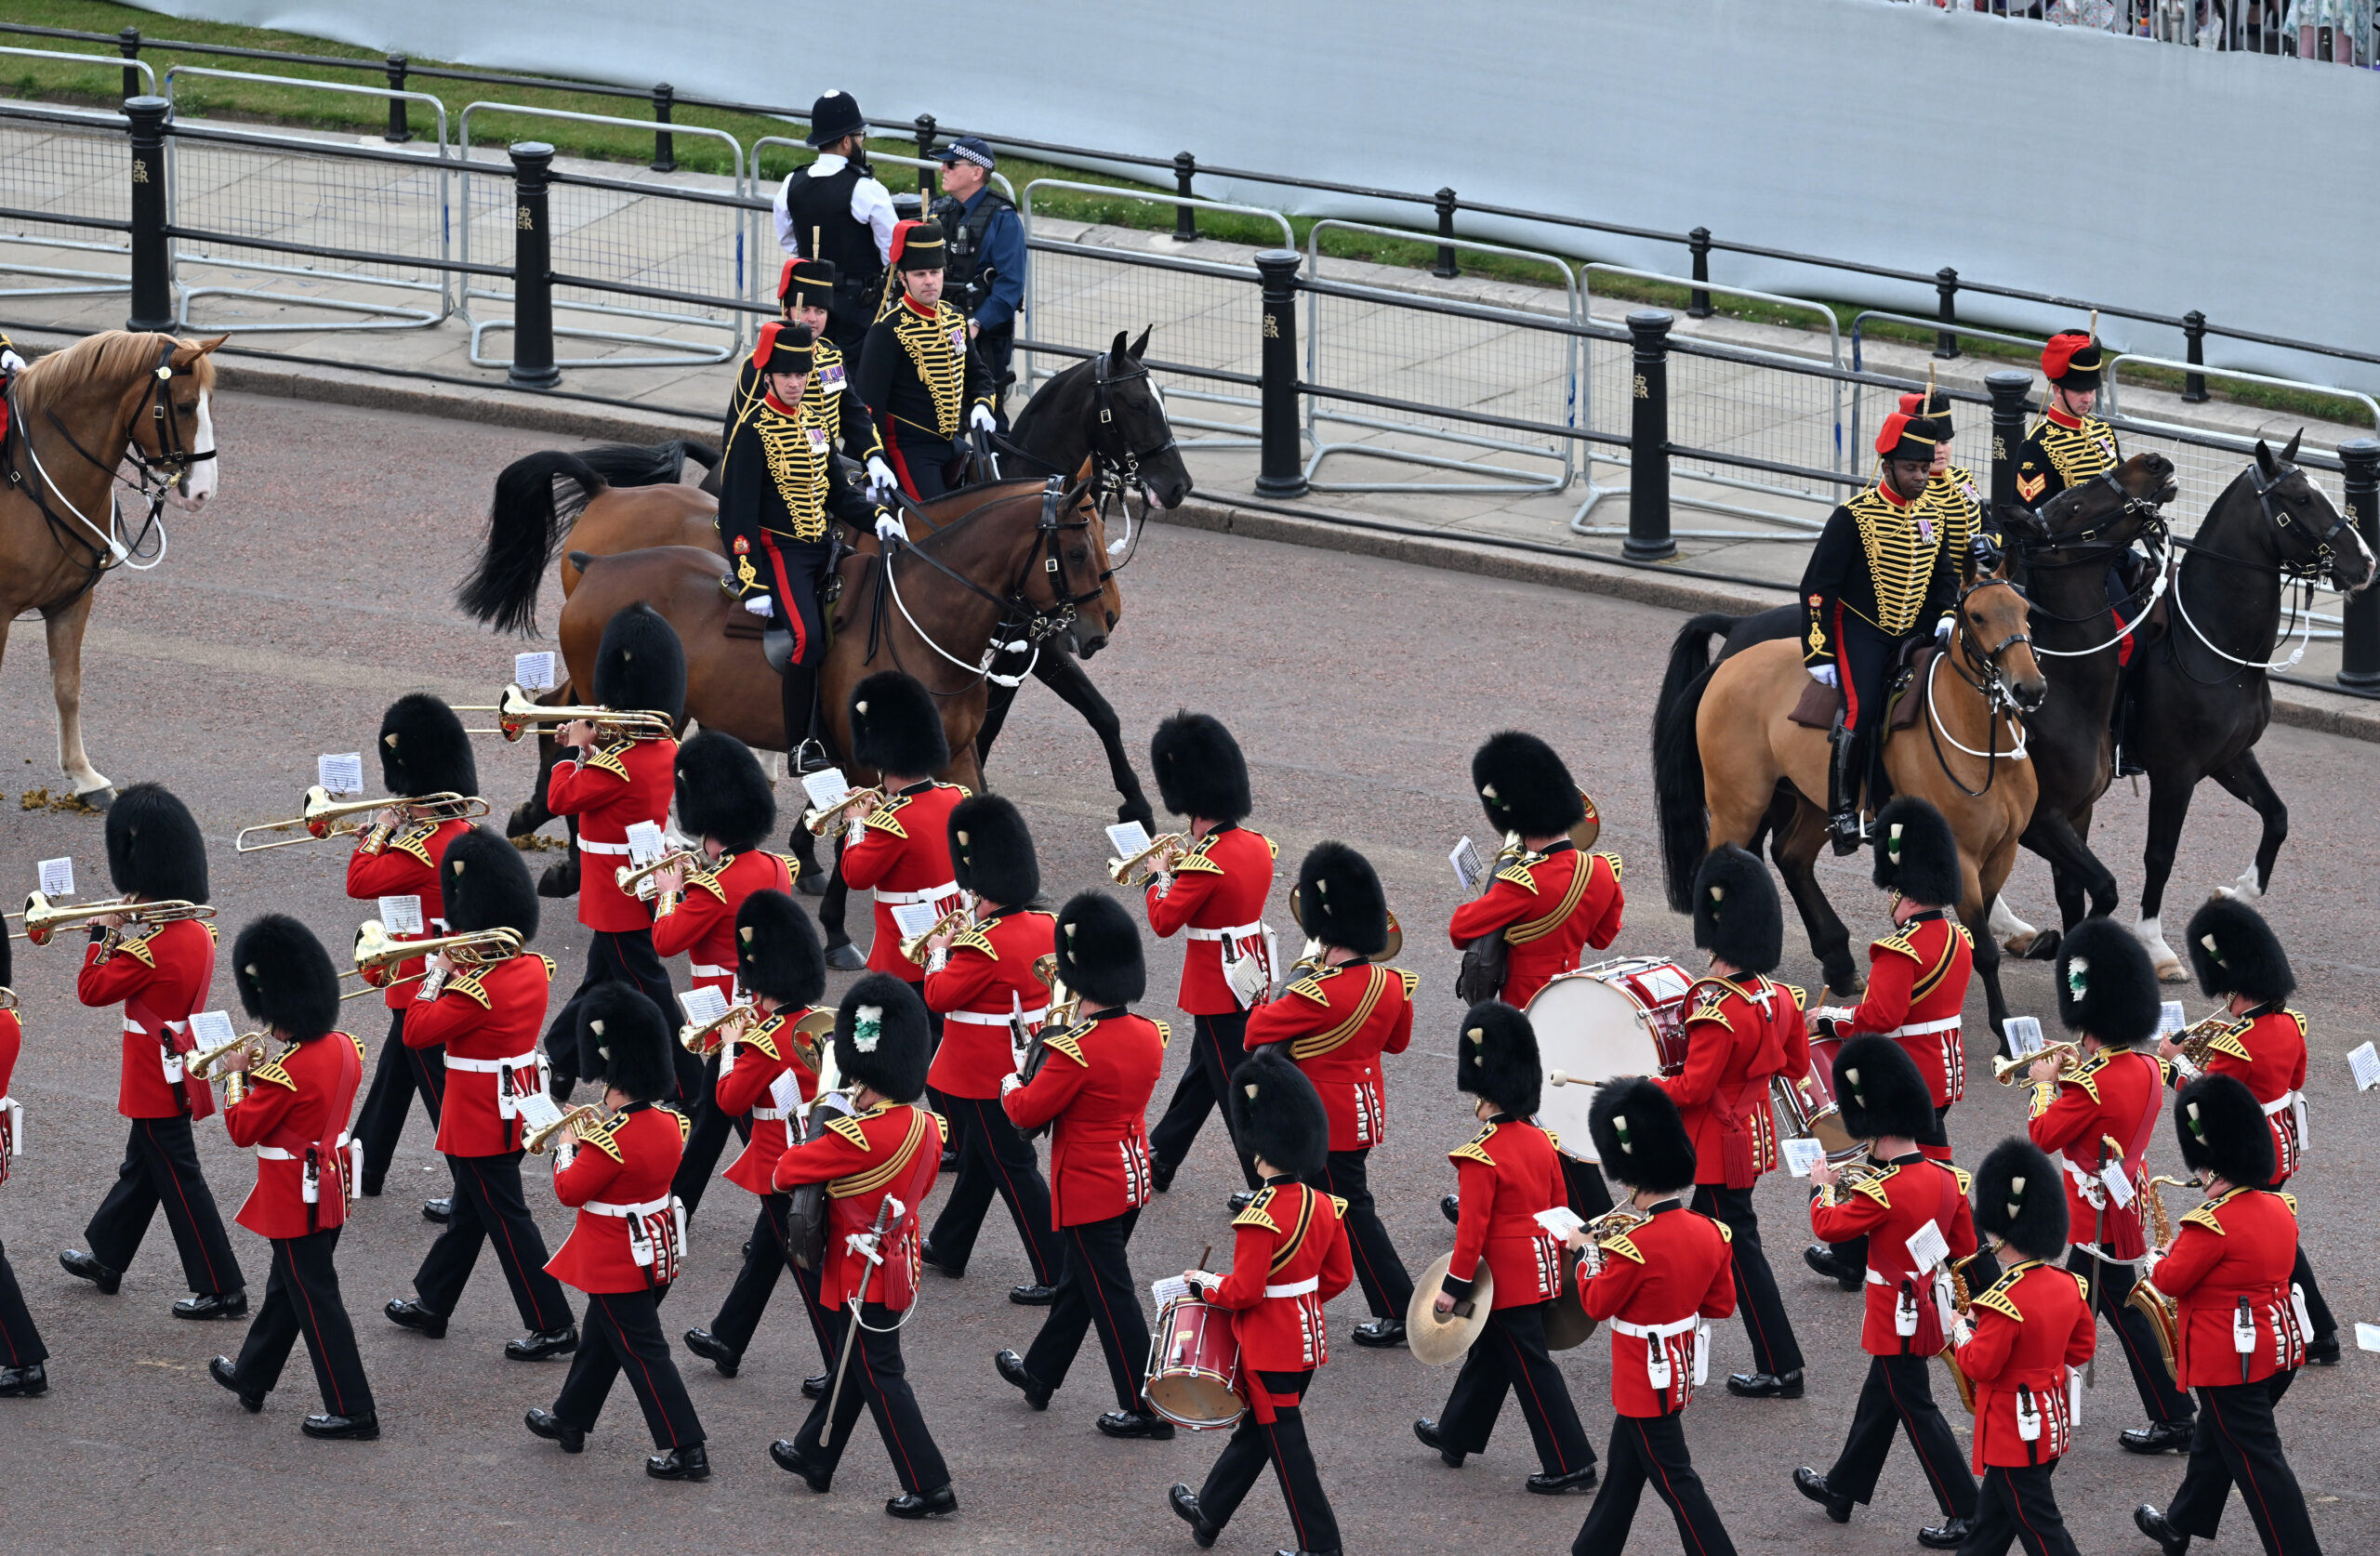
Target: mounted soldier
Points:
(919, 372)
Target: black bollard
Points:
(2008, 389)
(1649, 441)
(1185, 217)
(1280, 472)
(152, 288)
(533, 281)
(1445, 269)
(2194, 331)
(1946, 287)
(664, 145)
(400, 131)
(127, 44)
(2360, 634)
(1698, 243)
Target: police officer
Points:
(836, 210)
(985, 270)
(919, 372)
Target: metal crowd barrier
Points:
(65, 176)
(1970, 447)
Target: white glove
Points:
(881, 483)
(1942, 632)
(1011, 1082)
(10, 362)
(979, 419)
(887, 527)
(1822, 674)
(762, 605)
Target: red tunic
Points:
(1739, 1035)
(893, 1149)
(625, 1164)
(12, 1037)
(1546, 912)
(1219, 888)
(1658, 1282)
(296, 1112)
(703, 925)
(2265, 1052)
(1917, 986)
(2237, 1249)
(161, 978)
(1096, 1084)
(765, 1075)
(2109, 1115)
(407, 866)
(1887, 1212)
(1288, 1257)
(902, 855)
(489, 1022)
(988, 965)
(1338, 1022)
(621, 785)
(2029, 1329)
(1507, 1173)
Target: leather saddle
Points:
(1819, 703)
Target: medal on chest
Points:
(817, 442)
(831, 378)
(958, 337)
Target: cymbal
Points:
(1566, 1324)
(1435, 1341)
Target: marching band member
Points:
(1289, 1259)
(1216, 891)
(1337, 1019)
(423, 751)
(723, 799)
(1547, 899)
(2237, 955)
(1510, 1174)
(768, 1073)
(486, 1018)
(975, 979)
(1899, 1200)
(161, 972)
(2239, 1335)
(640, 666)
(918, 370)
(295, 1115)
(23, 1372)
(1658, 1282)
(1745, 1028)
(1917, 982)
(902, 852)
(628, 1243)
(2099, 1117)
(878, 1163)
(1093, 1089)
(2020, 1345)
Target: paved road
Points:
(283, 623)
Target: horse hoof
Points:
(99, 798)
(523, 821)
(811, 884)
(1126, 814)
(560, 880)
(2044, 946)
(2173, 973)
(845, 958)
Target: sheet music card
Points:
(1127, 838)
(58, 881)
(535, 1109)
(825, 786)
(2024, 1036)
(212, 1028)
(1468, 868)
(341, 773)
(534, 672)
(644, 842)
(2365, 1063)
(1561, 1220)
(1170, 1289)
(915, 919)
(703, 1005)
(2367, 1336)
(1927, 1247)
(1802, 1152)
(2171, 1019)
(401, 916)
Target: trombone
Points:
(1163, 848)
(822, 819)
(376, 955)
(43, 921)
(322, 816)
(2008, 1071)
(517, 713)
(213, 1064)
(583, 1116)
(914, 948)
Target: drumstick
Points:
(1208, 1254)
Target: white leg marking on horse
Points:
(2151, 935)
(2006, 928)
(200, 484)
(2247, 889)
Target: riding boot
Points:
(1842, 788)
(798, 684)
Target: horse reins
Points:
(1117, 468)
(158, 476)
(2302, 572)
(1993, 688)
(1017, 613)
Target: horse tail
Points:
(647, 465)
(525, 522)
(1677, 758)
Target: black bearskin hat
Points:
(1340, 902)
(154, 847)
(2223, 1131)
(896, 728)
(2105, 985)
(881, 1038)
(1881, 1090)
(622, 1023)
(1276, 1113)
(1098, 951)
(777, 953)
(640, 664)
(2020, 1199)
(1917, 855)
(485, 884)
(2234, 950)
(1735, 914)
(722, 793)
(1199, 769)
(1495, 1057)
(1640, 1137)
(1524, 787)
(424, 750)
(991, 851)
(285, 977)
(7, 962)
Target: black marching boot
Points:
(1842, 821)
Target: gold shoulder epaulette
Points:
(608, 760)
(2081, 1287)
(1339, 1205)
(2297, 1016)
(1518, 873)
(1874, 1188)
(214, 934)
(2228, 1042)
(1611, 859)
(1475, 1150)
(359, 1056)
(1272, 848)
(764, 1037)
(1196, 861)
(601, 1136)
(1412, 982)
(549, 966)
(1897, 943)
(1164, 1034)
(976, 940)
(708, 881)
(271, 1071)
(887, 817)
(1069, 1044)
(468, 984)
(2290, 1200)
(415, 842)
(1311, 987)
(851, 1130)
(964, 792)
(1617, 1243)
(1711, 1010)
(1997, 1300)
(941, 1128)
(1801, 995)
(2087, 1077)
(2205, 1216)
(138, 947)
(1257, 1213)
(1967, 1180)
(685, 1122)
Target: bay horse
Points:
(75, 418)
(1729, 764)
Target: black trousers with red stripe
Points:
(490, 1207)
(20, 1343)
(160, 1170)
(1774, 1347)
(2111, 1285)
(2236, 1442)
(398, 1074)
(1217, 1048)
(878, 1378)
(2018, 1505)
(994, 1156)
(1651, 1450)
(1899, 1394)
(707, 1136)
(739, 1315)
(1283, 1444)
(615, 957)
(1096, 1292)
(1388, 1290)
(301, 1297)
(1511, 1354)
(622, 1334)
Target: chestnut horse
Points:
(75, 418)
(1730, 763)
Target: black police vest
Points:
(820, 210)
(966, 241)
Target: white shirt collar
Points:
(827, 167)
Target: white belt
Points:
(1233, 932)
(275, 1153)
(987, 1018)
(607, 1207)
(135, 1028)
(1295, 1288)
(1924, 1028)
(902, 899)
(589, 845)
(492, 1066)
(710, 969)
(2286, 1099)
(1660, 1331)
(766, 1115)
(1877, 1277)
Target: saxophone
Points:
(1963, 1302)
(2164, 1319)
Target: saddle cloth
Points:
(1820, 702)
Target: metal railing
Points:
(1969, 448)
(65, 176)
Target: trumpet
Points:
(1848, 1178)
(376, 954)
(537, 1142)
(632, 878)
(824, 819)
(1169, 845)
(712, 1036)
(517, 713)
(914, 948)
(2008, 1071)
(213, 1064)
(322, 815)
(2197, 1040)
(7, 997)
(43, 921)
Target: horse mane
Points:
(110, 360)
(1025, 417)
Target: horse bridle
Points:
(1019, 614)
(2129, 507)
(1999, 696)
(158, 476)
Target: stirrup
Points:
(809, 756)
(1849, 831)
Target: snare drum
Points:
(1623, 1017)
(1194, 1366)
(1826, 1121)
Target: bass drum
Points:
(1618, 1018)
